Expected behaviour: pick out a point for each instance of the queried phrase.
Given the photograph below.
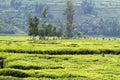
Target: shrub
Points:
(14, 73)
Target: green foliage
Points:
(60, 67)
(8, 78)
(100, 26)
(76, 46)
(43, 30)
(69, 12)
(60, 32)
(14, 73)
(33, 26)
(48, 30)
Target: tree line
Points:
(47, 29)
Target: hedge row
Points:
(34, 67)
(62, 52)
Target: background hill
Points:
(90, 15)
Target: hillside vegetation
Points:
(16, 12)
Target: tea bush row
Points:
(62, 52)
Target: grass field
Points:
(60, 59)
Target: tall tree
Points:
(42, 31)
(49, 29)
(60, 29)
(30, 26)
(69, 12)
(59, 32)
(33, 26)
(54, 31)
(43, 28)
(35, 22)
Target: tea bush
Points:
(14, 73)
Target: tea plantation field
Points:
(56, 47)
(60, 67)
(60, 59)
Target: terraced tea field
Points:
(59, 59)
(60, 67)
(56, 47)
